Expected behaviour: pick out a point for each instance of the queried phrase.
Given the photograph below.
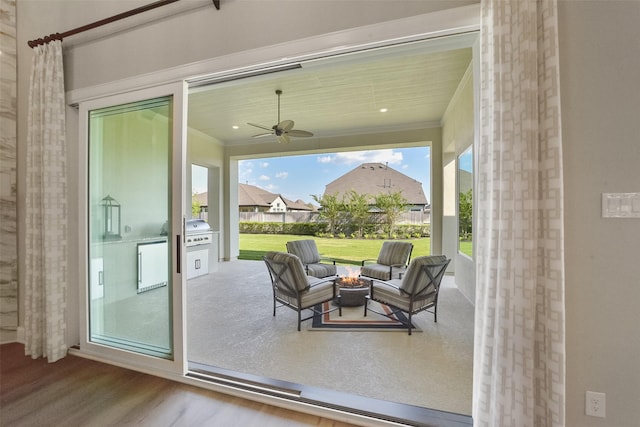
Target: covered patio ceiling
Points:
(337, 96)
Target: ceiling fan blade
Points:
(283, 129)
(286, 125)
(260, 126)
(283, 139)
(299, 133)
(260, 135)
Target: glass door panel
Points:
(130, 289)
(465, 202)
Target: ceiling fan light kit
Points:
(282, 129)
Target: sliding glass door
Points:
(134, 223)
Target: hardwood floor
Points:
(80, 392)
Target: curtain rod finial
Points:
(47, 39)
(216, 3)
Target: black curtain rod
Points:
(114, 18)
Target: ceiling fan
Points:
(283, 129)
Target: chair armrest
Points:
(366, 260)
(328, 259)
(397, 265)
(382, 282)
(319, 281)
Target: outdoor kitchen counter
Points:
(120, 258)
(132, 239)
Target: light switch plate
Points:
(621, 205)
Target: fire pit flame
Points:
(352, 280)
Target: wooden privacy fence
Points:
(411, 217)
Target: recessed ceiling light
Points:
(383, 110)
(235, 127)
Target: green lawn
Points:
(344, 251)
(466, 247)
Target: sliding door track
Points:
(372, 408)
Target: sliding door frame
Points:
(176, 366)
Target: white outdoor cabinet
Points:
(97, 278)
(153, 270)
(197, 263)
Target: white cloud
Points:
(325, 159)
(270, 188)
(282, 175)
(264, 178)
(377, 156)
(245, 171)
(405, 166)
(264, 164)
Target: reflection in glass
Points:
(129, 268)
(465, 202)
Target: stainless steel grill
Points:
(198, 232)
(199, 239)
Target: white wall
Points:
(600, 66)
(457, 136)
(600, 59)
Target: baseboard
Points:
(8, 336)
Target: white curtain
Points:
(46, 208)
(519, 363)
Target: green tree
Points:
(331, 209)
(465, 214)
(195, 207)
(392, 205)
(357, 208)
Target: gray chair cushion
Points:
(306, 250)
(394, 253)
(294, 274)
(415, 279)
(377, 271)
(318, 293)
(321, 270)
(308, 253)
(391, 295)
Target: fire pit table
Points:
(353, 291)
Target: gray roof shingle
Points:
(378, 178)
(250, 195)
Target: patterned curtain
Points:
(519, 363)
(46, 208)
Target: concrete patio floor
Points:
(230, 325)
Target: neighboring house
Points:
(202, 199)
(256, 199)
(377, 178)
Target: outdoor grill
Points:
(199, 238)
(198, 232)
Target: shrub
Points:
(297, 228)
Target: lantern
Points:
(111, 216)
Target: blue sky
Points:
(298, 177)
(465, 161)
